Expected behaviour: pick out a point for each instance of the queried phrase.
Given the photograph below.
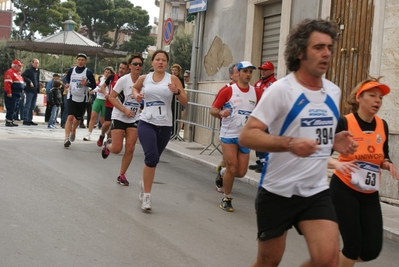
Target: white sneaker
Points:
(141, 195)
(146, 203)
(87, 138)
(72, 136)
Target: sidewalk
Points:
(191, 151)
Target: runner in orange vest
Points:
(355, 182)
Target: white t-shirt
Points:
(241, 105)
(289, 109)
(157, 101)
(125, 85)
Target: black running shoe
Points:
(219, 180)
(226, 204)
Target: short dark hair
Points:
(139, 56)
(56, 75)
(57, 84)
(298, 39)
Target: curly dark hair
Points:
(298, 39)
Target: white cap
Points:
(244, 65)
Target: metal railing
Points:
(197, 115)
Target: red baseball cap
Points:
(267, 66)
(370, 85)
(17, 62)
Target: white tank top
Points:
(157, 101)
(77, 91)
(241, 105)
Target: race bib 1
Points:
(155, 110)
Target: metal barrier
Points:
(198, 115)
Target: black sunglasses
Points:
(136, 64)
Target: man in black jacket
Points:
(32, 77)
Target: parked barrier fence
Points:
(197, 115)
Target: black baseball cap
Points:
(81, 55)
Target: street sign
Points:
(197, 6)
(168, 28)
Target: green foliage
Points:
(138, 43)
(93, 15)
(180, 50)
(7, 55)
(191, 17)
(44, 17)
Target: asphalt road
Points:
(63, 207)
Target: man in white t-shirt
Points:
(301, 112)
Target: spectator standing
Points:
(233, 105)
(125, 116)
(186, 77)
(176, 108)
(13, 87)
(54, 102)
(267, 79)
(32, 79)
(64, 106)
(355, 182)
(78, 81)
(49, 86)
(19, 114)
(158, 89)
(293, 188)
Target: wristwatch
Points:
(178, 92)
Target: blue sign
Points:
(197, 6)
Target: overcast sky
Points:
(150, 6)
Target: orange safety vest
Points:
(370, 149)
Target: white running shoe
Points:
(72, 136)
(146, 203)
(141, 195)
(87, 138)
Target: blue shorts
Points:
(234, 141)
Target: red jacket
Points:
(13, 82)
(264, 83)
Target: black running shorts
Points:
(276, 214)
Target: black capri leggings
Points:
(360, 221)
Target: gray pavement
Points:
(192, 150)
